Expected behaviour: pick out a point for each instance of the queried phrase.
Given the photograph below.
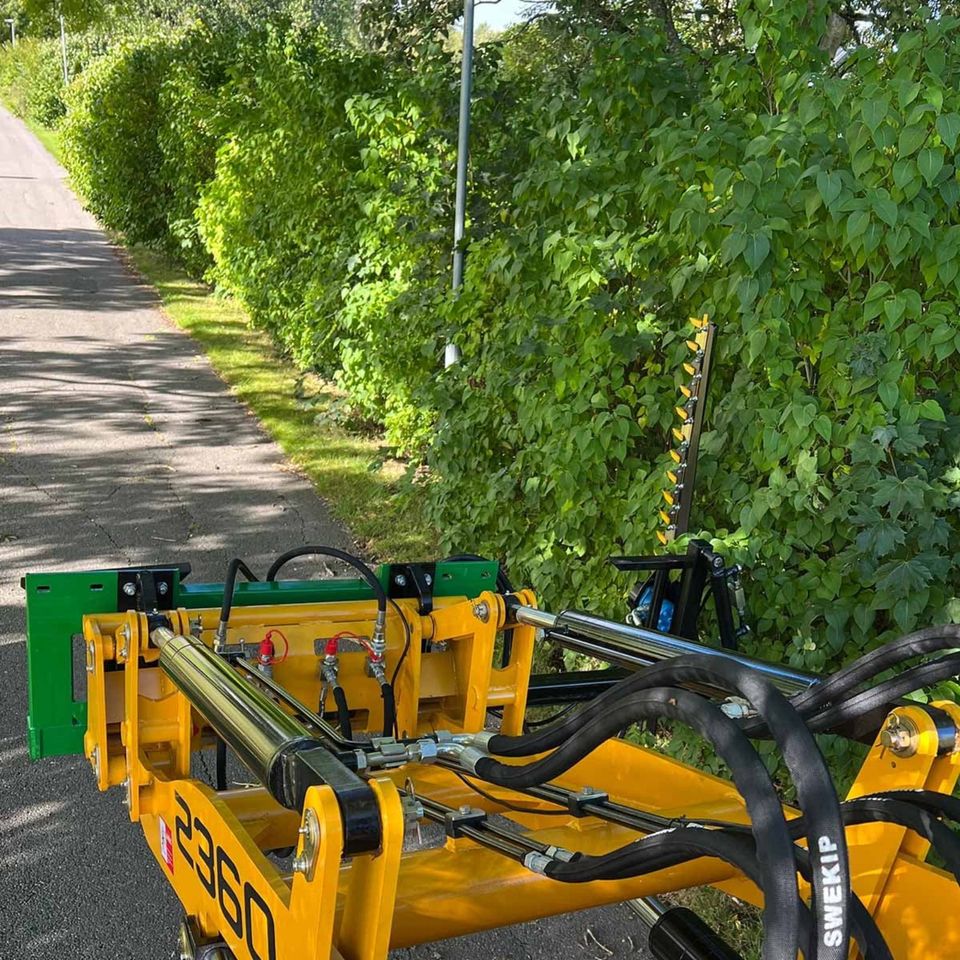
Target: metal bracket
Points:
(576, 801)
(465, 816)
(146, 589)
(405, 580)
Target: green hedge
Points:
(31, 74)
(811, 210)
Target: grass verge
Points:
(49, 138)
(736, 922)
(363, 488)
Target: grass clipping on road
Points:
(365, 490)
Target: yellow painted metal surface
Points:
(211, 847)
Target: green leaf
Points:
(886, 210)
(881, 537)
(874, 112)
(930, 163)
(829, 185)
(901, 578)
(931, 410)
(894, 309)
(911, 139)
(756, 250)
(889, 394)
(948, 126)
(857, 224)
(904, 172)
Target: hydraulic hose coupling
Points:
(464, 749)
(220, 637)
(330, 667)
(379, 640)
(265, 657)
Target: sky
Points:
(502, 14)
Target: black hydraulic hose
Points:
(323, 551)
(343, 712)
(389, 709)
(751, 777)
(886, 693)
(221, 765)
(815, 789)
(940, 804)
(883, 808)
(235, 566)
(668, 848)
(839, 685)
(676, 848)
(867, 667)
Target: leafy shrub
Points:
(110, 137)
(31, 79)
(31, 74)
(814, 215)
(275, 213)
(193, 114)
(142, 135)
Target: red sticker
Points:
(166, 844)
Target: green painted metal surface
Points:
(57, 602)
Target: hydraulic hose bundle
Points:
(765, 851)
(837, 700)
(652, 694)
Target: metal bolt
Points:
(129, 588)
(465, 810)
(162, 589)
(309, 831)
(428, 579)
(481, 611)
(899, 736)
(400, 580)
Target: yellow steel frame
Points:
(142, 731)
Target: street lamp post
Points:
(451, 354)
(63, 51)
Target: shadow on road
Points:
(64, 270)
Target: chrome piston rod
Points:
(250, 723)
(637, 647)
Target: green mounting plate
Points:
(57, 603)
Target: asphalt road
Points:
(119, 445)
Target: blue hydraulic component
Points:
(643, 609)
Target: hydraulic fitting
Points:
(376, 666)
(379, 630)
(265, 657)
